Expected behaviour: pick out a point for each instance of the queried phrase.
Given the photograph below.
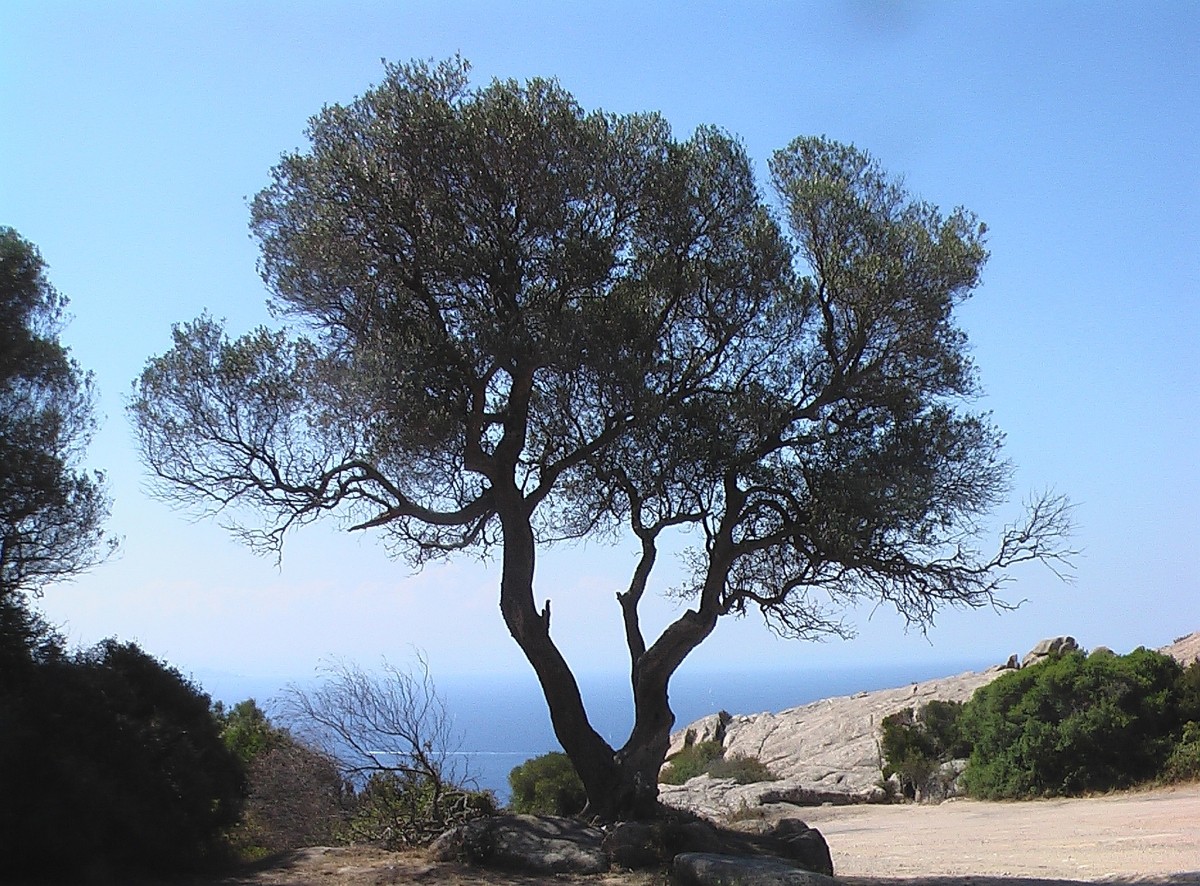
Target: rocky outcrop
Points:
(1185, 649)
(1051, 648)
(824, 752)
(828, 751)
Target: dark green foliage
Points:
(1189, 693)
(1184, 762)
(915, 743)
(709, 757)
(693, 760)
(547, 785)
(942, 722)
(742, 769)
(1074, 724)
(111, 763)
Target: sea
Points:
(499, 722)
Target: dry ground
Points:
(1148, 837)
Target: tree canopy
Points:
(51, 510)
(506, 322)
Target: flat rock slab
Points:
(538, 844)
(709, 869)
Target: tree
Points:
(511, 322)
(51, 511)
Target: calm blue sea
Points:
(502, 721)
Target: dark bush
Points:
(693, 760)
(111, 763)
(1189, 693)
(915, 744)
(1074, 724)
(742, 769)
(547, 785)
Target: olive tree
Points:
(507, 322)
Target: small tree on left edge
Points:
(51, 510)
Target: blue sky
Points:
(134, 133)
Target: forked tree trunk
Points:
(620, 785)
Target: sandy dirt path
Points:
(1140, 835)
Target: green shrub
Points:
(112, 765)
(742, 769)
(1073, 724)
(1184, 762)
(708, 757)
(915, 744)
(547, 785)
(693, 760)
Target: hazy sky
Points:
(132, 135)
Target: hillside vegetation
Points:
(1068, 725)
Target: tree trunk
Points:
(593, 758)
(619, 785)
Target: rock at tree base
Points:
(708, 869)
(544, 844)
(539, 844)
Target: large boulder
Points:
(536, 844)
(711, 869)
(789, 838)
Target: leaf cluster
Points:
(498, 302)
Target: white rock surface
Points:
(826, 751)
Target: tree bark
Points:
(620, 785)
(593, 758)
